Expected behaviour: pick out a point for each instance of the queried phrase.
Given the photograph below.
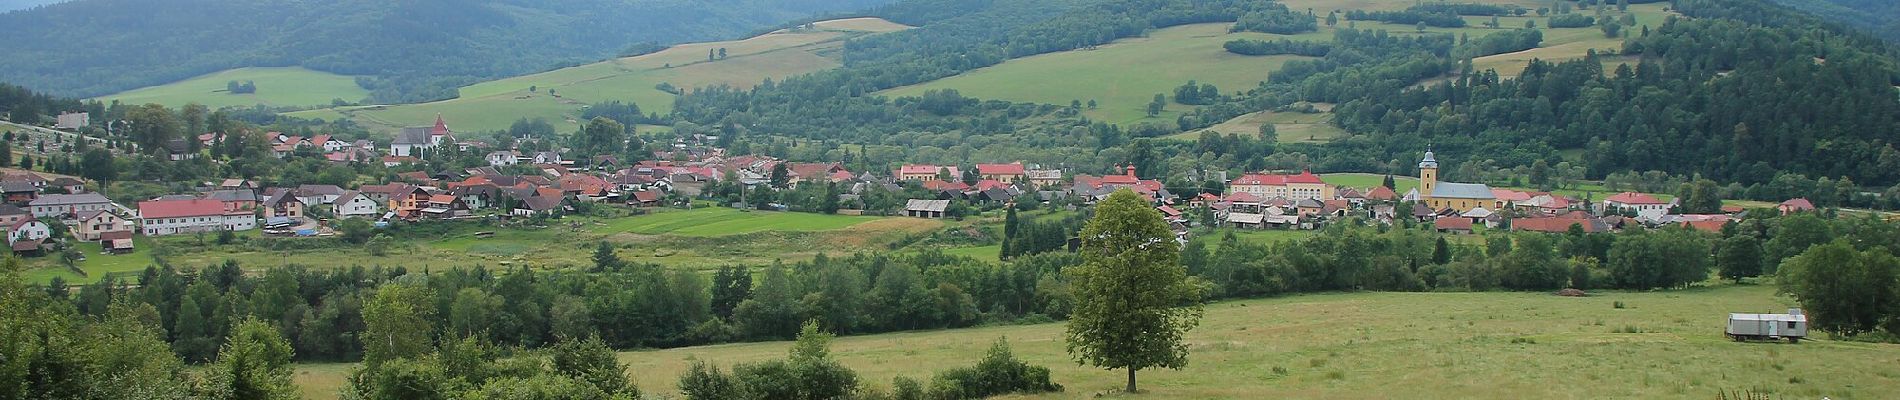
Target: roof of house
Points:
(646, 196)
(1510, 195)
(9, 209)
(70, 199)
(1447, 190)
(1452, 223)
(319, 190)
(1477, 212)
(1632, 198)
(180, 208)
(541, 203)
(927, 170)
(231, 195)
(65, 181)
(1000, 169)
(282, 197)
(18, 187)
(1798, 204)
(927, 205)
(1381, 193)
(89, 215)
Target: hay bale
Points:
(1572, 293)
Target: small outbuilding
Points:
(1791, 326)
(926, 208)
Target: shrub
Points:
(999, 373)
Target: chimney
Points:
(1131, 171)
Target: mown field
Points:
(698, 239)
(276, 87)
(1385, 345)
(560, 95)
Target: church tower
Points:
(1427, 175)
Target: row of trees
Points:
(1252, 47)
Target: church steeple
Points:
(441, 127)
(1427, 174)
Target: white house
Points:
(504, 158)
(73, 120)
(29, 229)
(57, 205)
(171, 217)
(354, 204)
(1645, 206)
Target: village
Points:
(549, 184)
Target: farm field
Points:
(696, 239)
(276, 87)
(1383, 345)
(1289, 127)
(560, 95)
(1122, 76)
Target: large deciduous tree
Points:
(1846, 291)
(1133, 302)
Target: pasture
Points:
(561, 95)
(1383, 345)
(1289, 127)
(1401, 184)
(276, 87)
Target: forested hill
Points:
(1880, 17)
(416, 49)
(10, 5)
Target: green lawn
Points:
(1383, 345)
(97, 265)
(1364, 180)
(1289, 127)
(277, 87)
(1122, 77)
(561, 95)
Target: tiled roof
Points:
(1447, 190)
(1000, 169)
(180, 208)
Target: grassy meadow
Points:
(1383, 345)
(1122, 76)
(276, 87)
(697, 239)
(560, 95)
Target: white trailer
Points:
(1791, 326)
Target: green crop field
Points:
(560, 95)
(277, 87)
(1122, 77)
(1384, 345)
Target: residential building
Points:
(98, 225)
(19, 193)
(1044, 177)
(354, 204)
(27, 235)
(283, 204)
(504, 158)
(171, 217)
(1645, 206)
(10, 214)
(1006, 173)
(68, 205)
(1304, 185)
(1794, 206)
(73, 120)
(926, 173)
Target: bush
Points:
(1571, 21)
(999, 373)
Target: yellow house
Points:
(1457, 196)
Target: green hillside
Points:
(276, 87)
(560, 95)
(1125, 75)
(1122, 76)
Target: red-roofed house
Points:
(1007, 173)
(1795, 205)
(820, 172)
(1644, 205)
(1304, 185)
(1452, 224)
(171, 217)
(925, 172)
(1381, 193)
